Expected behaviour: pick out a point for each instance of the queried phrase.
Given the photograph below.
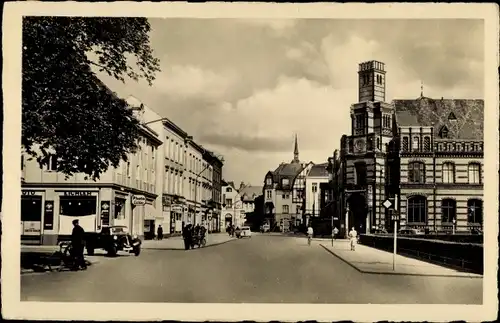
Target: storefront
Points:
(31, 216)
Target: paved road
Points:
(262, 269)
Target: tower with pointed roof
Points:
(296, 151)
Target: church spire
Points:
(421, 89)
(296, 150)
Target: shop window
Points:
(78, 206)
(119, 209)
(31, 208)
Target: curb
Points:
(182, 249)
(389, 273)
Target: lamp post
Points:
(454, 224)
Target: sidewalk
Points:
(177, 243)
(373, 261)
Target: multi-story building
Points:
(249, 194)
(413, 149)
(216, 202)
(232, 206)
(126, 195)
(282, 199)
(317, 175)
(175, 176)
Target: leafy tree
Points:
(67, 111)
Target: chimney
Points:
(242, 185)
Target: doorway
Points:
(358, 212)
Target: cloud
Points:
(278, 27)
(187, 82)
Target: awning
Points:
(150, 212)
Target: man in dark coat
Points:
(187, 234)
(78, 244)
(160, 232)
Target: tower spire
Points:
(296, 150)
(421, 89)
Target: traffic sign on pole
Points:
(387, 204)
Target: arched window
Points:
(448, 173)
(474, 171)
(475, 211)
(416, 172)
(448, 210)
(415, 143)
(405, 143)
(427, 144)
(417, 209)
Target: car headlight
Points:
(115, 237)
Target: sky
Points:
(244, 87)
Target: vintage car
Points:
(246, 232)
(113, 239)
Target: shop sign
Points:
(105, 209)
(78, 193)
(32, 228)
(177, 208)
(48, 217)
(28, 193)
(138, 200)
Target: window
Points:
(269, 181)
(285, 209)
(416, 143)
(448, 173)
(378, 144)
(229, 203)
(119, 209)
(51, 163)
(77, 206)
(285, 181)
(416, 172)
(474, 171)
(475, 211)
(22, 162)
(427, 144)
(285, 196)
(314, 187)
(417, 209)
(443, 133)
(448, 210)
(360, 173)
(360, 121)
(405, 143)
(269, 194)
(229, 189)
(369, 145)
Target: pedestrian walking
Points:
(335, 232)
(353, 238)
(187, 235)
(160, 232)
(78, 245)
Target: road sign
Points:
(387, 204)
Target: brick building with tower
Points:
(429, 152)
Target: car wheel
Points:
(137, 251)
(90, 251)
(112, 251)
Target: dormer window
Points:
(443, 133)
(452, 117)
(269, 181)
(228, 190)
(285, 181)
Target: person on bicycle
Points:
(310, 233)
(353, 234)
(78, 245)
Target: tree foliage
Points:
(66, 109)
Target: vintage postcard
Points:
(245, 161)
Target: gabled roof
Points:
(284, 170)
(319, 170)
(468, 122)
(249, 193)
